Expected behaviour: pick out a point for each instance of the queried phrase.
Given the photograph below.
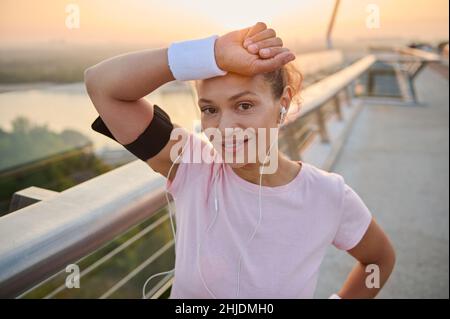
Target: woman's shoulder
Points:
(323, 179)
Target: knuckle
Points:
(271, 32)
(262, 24)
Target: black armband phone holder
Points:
(151, 141)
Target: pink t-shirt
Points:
(299, 221)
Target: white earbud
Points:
(283, 112)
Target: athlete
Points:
(241, 232)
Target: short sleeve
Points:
(179, 179)
(355, 219)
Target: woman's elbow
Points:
(388, 260)
(392, 257)
(89, 80)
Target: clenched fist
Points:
(251, 51)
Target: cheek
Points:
(209, 126)
(267, 117)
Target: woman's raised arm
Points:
(117, 86)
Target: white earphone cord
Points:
(282, 113)
(216, 208)
(172, 227)
(260, 216)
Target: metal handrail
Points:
(319, 93)
(314, 99)
(41, 239)
(113, 253)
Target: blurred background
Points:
(46, 141)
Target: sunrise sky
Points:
(162, 21)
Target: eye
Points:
(208, 110)
(246, 106)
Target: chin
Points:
(237, 165)
(233, 160)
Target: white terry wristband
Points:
(194, 59)
(334, 296)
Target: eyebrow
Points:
(234, 97)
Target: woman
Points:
(240, 233)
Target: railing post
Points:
(322, 127)
(370, 82)
(292, 144)
(348, 94)
(29, 196)
(337, 107)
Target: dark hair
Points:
(288, 74)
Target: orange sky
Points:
(161, 21)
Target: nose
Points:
(223, 127)
(228, 120)
(215, 128)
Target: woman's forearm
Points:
(358, 284)
(130, 76)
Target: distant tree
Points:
(72, 137)
(27, 142)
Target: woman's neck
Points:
(286, 171)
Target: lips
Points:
(233, 146)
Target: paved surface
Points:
(397, 159)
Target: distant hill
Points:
(52, 63)
(28, 142)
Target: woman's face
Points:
(234, 103)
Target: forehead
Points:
(230, 84)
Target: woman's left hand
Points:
(252, 50)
